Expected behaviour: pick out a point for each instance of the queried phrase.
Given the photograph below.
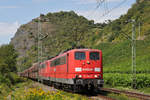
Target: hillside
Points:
(118, 29)
(63, 30)
(66, 30)
(118, 56)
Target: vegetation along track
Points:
(90, 95)
(100, 97)
(96, 96)
(128, 93)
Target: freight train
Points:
(76, 69)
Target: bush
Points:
(40, 94)
(125, 80)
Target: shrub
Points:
(125, 80)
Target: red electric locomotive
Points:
(77, 68)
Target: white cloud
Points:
(7, 31)
(101, 16)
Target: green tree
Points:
(8, 57)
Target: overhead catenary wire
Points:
(133, 39)
(99, 3)
(117, 6)
(107, 10)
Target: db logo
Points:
(87, 69)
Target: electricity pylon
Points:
(40, 45)
(133, 55)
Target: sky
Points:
(14, 13)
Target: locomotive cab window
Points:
(80, 55)
(94, 56)
(58, 61)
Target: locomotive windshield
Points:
(94, 55)
(80, 55)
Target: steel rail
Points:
(140, 96)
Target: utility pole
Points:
(39, 47)
(133, 55)
(133, 42)
(139, 30)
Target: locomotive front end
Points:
(88, 68)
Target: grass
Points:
(6, 89)
(120, 97)
(145, 90)
(28, 91)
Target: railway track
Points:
(128, 93)
(90, 95)
(96, 97)
(100, 97)
(104, 91)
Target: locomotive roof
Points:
(72, 50)
(82, 50)
(85, 49)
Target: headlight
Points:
(95, 76)
(78, 69)
(97, 69)
(80, 76)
